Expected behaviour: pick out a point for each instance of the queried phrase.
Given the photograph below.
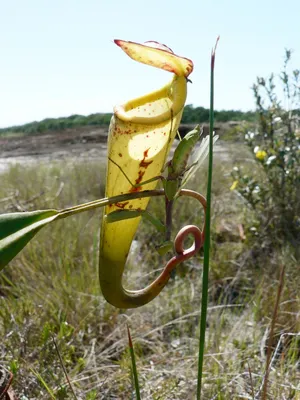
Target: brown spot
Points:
(121, 205)
(135, 189)
(137, 182)
(145, 164)
(139, 179)
(120, 155)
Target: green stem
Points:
(169, 209)
(204, 301)
(67, 212)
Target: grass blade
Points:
(133, 366)
(43, 383)
(64, 368)
(207, 232)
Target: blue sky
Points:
(58, 57)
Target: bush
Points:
(272, 189)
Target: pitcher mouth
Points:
(154, 107)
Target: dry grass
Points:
(51, 289)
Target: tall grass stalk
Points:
(64, 368)
(271, 334)
(204, 300)
(133, 366)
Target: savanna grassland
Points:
(50, 297)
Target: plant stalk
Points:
(204, 301)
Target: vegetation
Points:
(49, 294)
(191, 115)
(58, 124)
(51, 290)
(196, 115)
(273, 191)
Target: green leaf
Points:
(165, 247)
(17, 229)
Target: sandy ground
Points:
(84, 143)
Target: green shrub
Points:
(272, 187)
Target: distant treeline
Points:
(190, 115)
(200, 115)
(58, 124)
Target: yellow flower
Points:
(261, 155)
(234, 185)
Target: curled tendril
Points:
(181, 253)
